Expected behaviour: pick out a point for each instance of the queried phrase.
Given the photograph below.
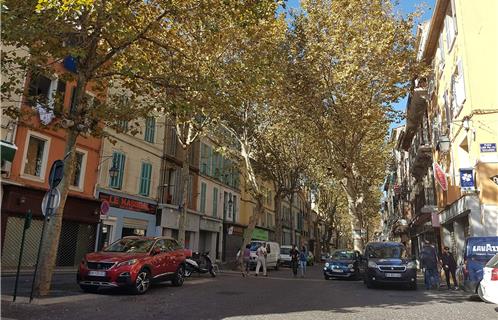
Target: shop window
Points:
(145, 179)
(35, 160)
(79, 170)
(118, 161)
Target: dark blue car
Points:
(342, 264)
(478, 251)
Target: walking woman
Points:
(294, 253)
(303, 260)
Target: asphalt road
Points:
(279, 296)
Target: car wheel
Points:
(327, 277)
(179, 276)
(89, 289)
(481, 293)
(413, 286)
(188, 273)
(142, 283)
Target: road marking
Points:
(48, 301)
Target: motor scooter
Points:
(200, 263)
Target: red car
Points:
(133, 262)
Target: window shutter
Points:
(215, 202)
(203, 198)
(459, 86)
(121, 170)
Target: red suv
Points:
(133, 262)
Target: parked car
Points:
(386, 262)
(343, 263)
(285, 258)
(272, 250)
(477, 252)
(488, 287)
(133, 262)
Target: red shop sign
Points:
(128, 204)
(440, 177)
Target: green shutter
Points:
(215, 201)
(150, 127)
(118, 160)
(145, 179)
(203, 197)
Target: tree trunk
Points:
(50, 243)
(278, 217)
(253, 219)
(182, 223)
(293, 232)
(354, 203)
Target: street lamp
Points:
(444, 144)
(113, 171)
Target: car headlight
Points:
(350, 266)
(127, 263)
(411, 265)
(327, 264)
(372, 264)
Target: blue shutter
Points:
(145, 179)
(118, 160)
(150, 128)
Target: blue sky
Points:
(405, 7)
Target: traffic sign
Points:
(104, 207)
(56, 174)
(51, 201)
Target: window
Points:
(79, 170)
(145, 178)
(122, 126)
(118, 161)
(35, 161)
(215, 202)
(450, 26)
(173, 140)
(150, 128)
(234, 208)
(206, 154)
(457, 89)
(40, 89)
(203, 198)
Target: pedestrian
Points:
(246, 259)
(449, 266)
(261, 254)
(303, 259)
(428, 261)
(294, 254)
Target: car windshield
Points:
(343, 255)
(285, 250)
(255, 246)
(386, 252)
(131, 245)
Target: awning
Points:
(8, 150)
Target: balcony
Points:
(420, 154)
(415, 109)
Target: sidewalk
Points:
(30, 271)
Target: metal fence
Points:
(76, 239)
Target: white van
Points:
(285, 258)
(273, 253)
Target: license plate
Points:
(393, 275)
(337, 270)
(96, 273)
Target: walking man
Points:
(303, 259)
(261, 253)
(449, 267)
(428, 261)
(294, 254)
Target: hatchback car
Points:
(488, 287)
(133, 262)
(386, 263)
(342, 264)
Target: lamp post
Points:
(444, 144)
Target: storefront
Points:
(210, 239)
(128, 215)
(233, 236)
(169, 222)
(79, 226)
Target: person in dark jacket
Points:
(294, 254)
(428, 261)
(449, 266)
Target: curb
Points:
(49, 301)
(12, 273)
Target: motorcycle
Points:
(200, 263)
